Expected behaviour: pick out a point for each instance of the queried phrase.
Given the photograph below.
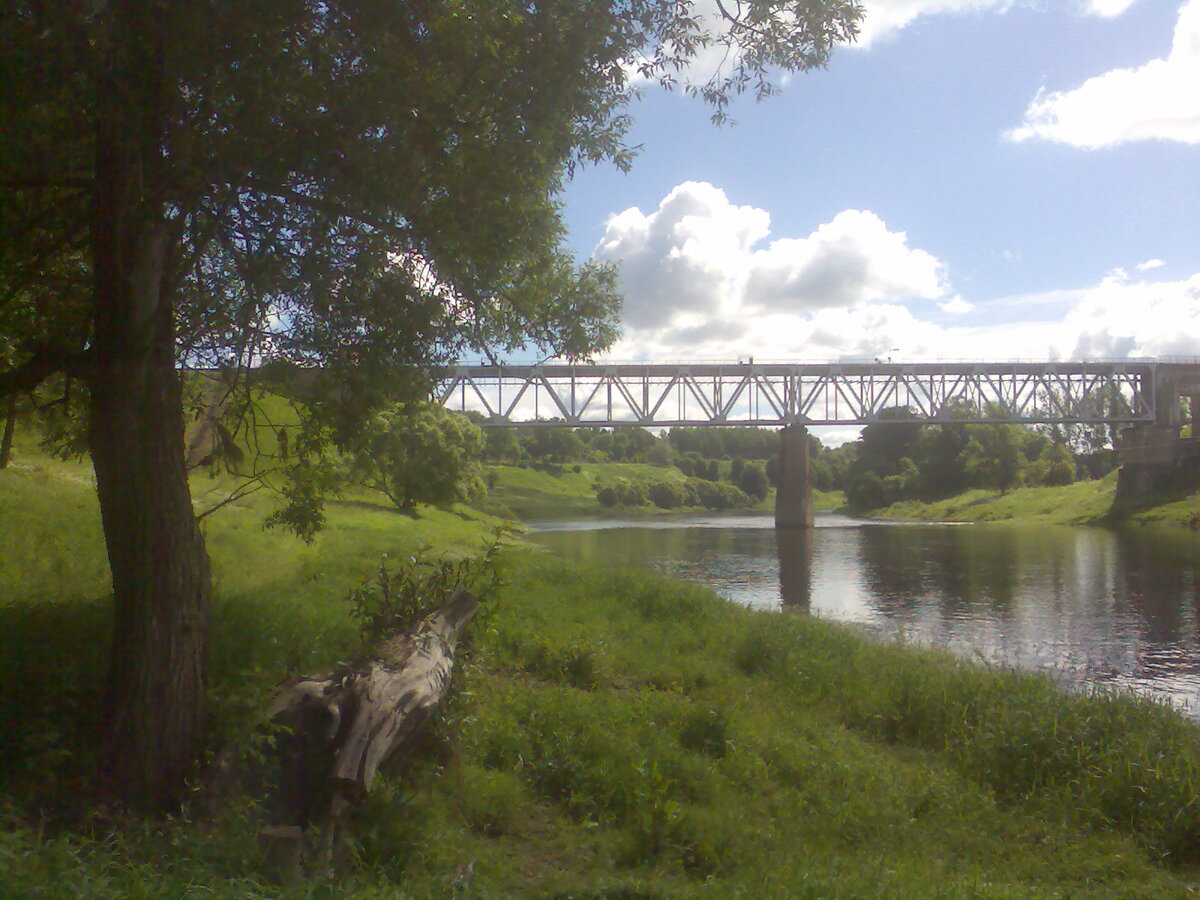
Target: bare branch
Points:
(44, 362)
(245, 489)
(333, 209)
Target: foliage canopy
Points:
(420, 453)
(354, 186)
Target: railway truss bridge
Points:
(1149, 399)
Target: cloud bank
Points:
(704, 279)
(698, 254)
(886, 17)
(1156, 101)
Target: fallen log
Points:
(342, 726)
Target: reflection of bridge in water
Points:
(1142, 396)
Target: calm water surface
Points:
(1092, 606)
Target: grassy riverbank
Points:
(1081, 503)
(612, 734)
(533, 494)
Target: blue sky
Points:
(977, 178)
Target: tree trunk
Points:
(10, 424)
(343, 726)
(154, 712)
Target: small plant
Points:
(402, 594)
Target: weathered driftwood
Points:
(346, 724)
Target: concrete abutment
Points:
(1155, 459)
(793, 495)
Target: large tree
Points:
(354, 185)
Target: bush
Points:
(668, 494)
(719, 494)
(752, 478)
(1060, 467)
(630, 493)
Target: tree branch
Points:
(255, 484)
(33, 183)
(44, 362)
(332, 208)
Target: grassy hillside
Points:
(532, 494)
(1081, 503)
(612, 734)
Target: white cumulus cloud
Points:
(852, 259)
(1156, 101)
(1108, 8)
(1134, 318)
(697, 259)
(886, 17)
(705, 279)
(956, 306)
(689, 255)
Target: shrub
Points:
(630, 493)
(719, 494)
(752, 478)
(667, 494)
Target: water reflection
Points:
(794, 548)
(1093, 606)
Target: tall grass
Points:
(611, 734)
(1111, 759)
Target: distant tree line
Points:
(539, 444)
(890, 462)
(918, 461)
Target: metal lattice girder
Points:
(776, 394)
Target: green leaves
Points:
(407, 589)
(419, 453)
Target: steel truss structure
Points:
(777, 394)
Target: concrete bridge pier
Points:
(795, 549)
(1154, 458)
(793, 495)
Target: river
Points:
(1089, 606)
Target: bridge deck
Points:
(775, 394)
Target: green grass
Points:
(611, 734)
(1081, 503)
(560, 493)
(533, 494)
(1170, 512)
(1084, 502)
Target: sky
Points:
(973, 179)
